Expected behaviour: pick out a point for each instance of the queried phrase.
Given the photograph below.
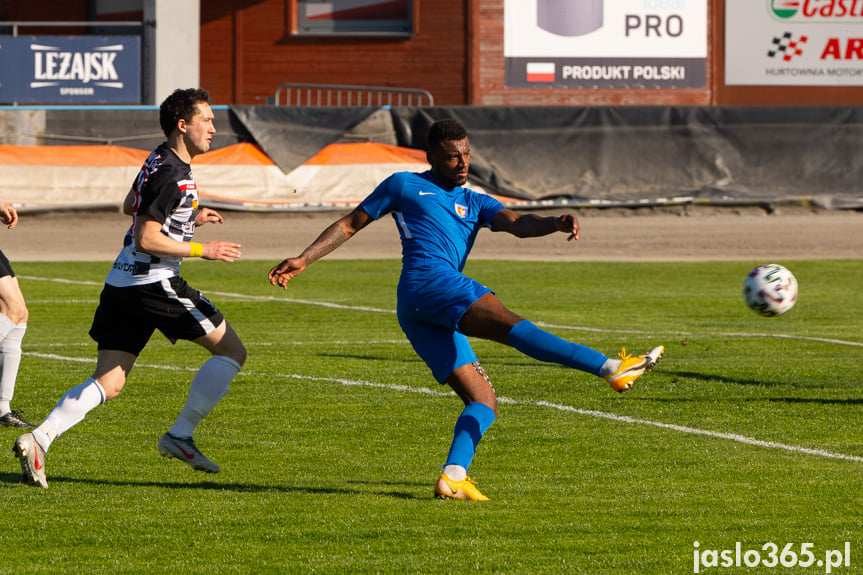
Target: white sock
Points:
(209, 386)
(10, 358)
(455, 472)
(6, 325)
(69, 411)
(610, 366)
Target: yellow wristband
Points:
(196, 251)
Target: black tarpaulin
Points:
(638, 154)
(292, 135)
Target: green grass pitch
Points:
(748, 434)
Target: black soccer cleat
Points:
(13, 419)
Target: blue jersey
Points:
(437, 226)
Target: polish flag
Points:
(540, 71)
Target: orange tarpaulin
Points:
(243, 154)
(240, 176)
(96, 156)
(366, 153)
(103, 156)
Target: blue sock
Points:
(469, 428)
(541, 345)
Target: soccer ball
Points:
(770, 289)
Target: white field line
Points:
(237, 296)
(586, 412)
(718, 334)
(61, 281)
(246, 297)
(695, 431)
(567, 408)
(66, 301)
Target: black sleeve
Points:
(160, 196)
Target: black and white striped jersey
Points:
(164, 190)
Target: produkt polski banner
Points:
(627, 44)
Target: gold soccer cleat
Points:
(446, 488)
(631, 368)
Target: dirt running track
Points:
(682, 233)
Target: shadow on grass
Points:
(362, 357)
(721, 378)
(235, 487)
(816, 400)
(724, 379)
(800, 400)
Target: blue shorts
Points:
(430, 305)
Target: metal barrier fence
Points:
(344, 95)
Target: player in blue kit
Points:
(439, 307)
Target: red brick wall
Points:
(246, 52)
(45, 10)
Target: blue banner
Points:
(70, 69)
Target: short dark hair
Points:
(180, 104)
(443, 130)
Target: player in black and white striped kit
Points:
(144, 292)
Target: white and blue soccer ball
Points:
(770, 289)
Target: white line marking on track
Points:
(567, 408)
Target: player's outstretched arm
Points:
(330, 239)
(284, 272)
(533, 226)
(218, 250)
(8, 214)
(150, 239)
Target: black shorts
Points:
(5, 266)
(128, 316)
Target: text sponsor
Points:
(770, 555)
(624, 72)
(73, 91)
(125, 267)
(815, 10)
(653, 25)
(815, 72)
(52, 65)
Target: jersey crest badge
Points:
(461, 210)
